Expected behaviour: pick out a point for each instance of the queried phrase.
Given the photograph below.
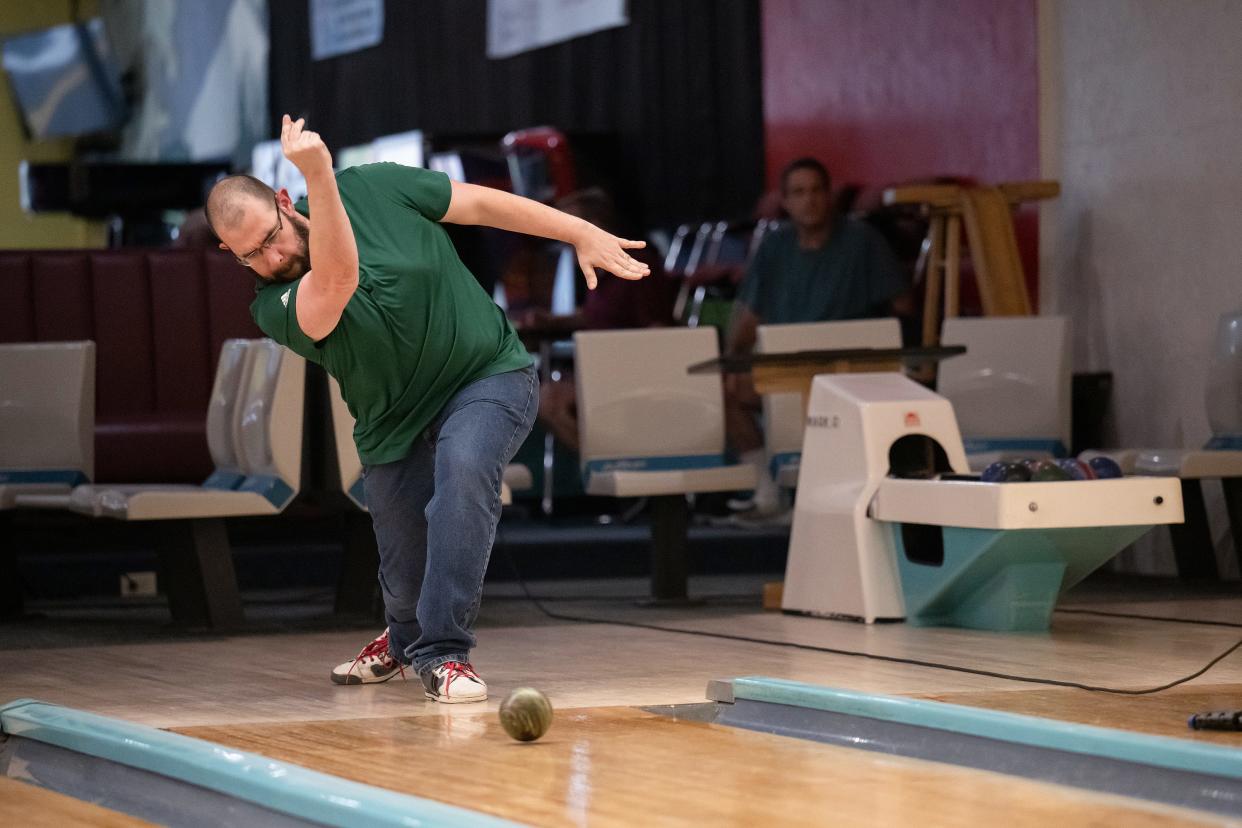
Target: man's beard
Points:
(297, 265)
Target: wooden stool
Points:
(988, 216)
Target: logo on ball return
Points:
(912, 420)
(824, 421)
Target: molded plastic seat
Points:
(254, 432)
(784, 414)
(1011, 389)
(646, 426)
(254, 421)
(47, 418)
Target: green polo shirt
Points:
(418, 329)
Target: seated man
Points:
(820, 267)
(615, 303)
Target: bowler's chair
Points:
(254, 428)
(47, 434)
(784, 415)
(647, 428)
(1011, 389)
(47, 418)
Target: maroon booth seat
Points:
(158, 318)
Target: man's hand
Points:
(325, 291)
(598, 248)
(305, 149)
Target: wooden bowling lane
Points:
(33, 807)
(1161, 714)
(625, 767)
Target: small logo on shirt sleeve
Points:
(284, 298)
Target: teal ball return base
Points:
(1007, 579)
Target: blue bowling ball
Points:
(1005, 471)
(1077, 469)
(1104, 467)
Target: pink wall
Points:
(886, 91)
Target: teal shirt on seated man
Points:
(854, 275)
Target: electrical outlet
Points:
(138, 585)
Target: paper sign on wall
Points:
(342, 26)
(515, 26)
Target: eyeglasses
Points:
(271, 238)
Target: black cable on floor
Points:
(860, 654)
(719, 597)
(1165, 618)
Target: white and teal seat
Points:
(47, 418)
(784, 414)
(254, 433)
(47, 435)
(1011, 389)
(648, 428)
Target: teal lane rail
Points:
(1125, 746)
(279, 786)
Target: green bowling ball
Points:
(1047, 471)
(526, 714)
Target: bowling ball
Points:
(1047, 471)
(1104, 467)
(1077, 469)
(526, 714)
(1005, 471)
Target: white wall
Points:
(1142, 124)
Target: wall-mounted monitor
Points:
(64, 80)
(105, 188)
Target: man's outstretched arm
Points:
(596, 248)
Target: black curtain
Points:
(674, 97)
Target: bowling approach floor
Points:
(608, 760)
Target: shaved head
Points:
(260, 227)
(229, 199)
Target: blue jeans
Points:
(435, 514)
